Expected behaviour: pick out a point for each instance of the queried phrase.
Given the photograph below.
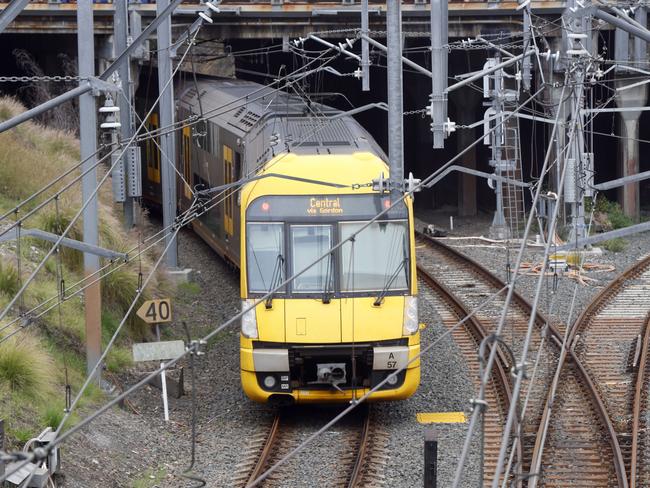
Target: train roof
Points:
(247, 108)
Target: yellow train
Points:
(348, 322)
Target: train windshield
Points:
(287, 233)
(265, 256)
(377, 258)
(308, 243)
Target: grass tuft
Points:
(118, 290)
(615, 245)
(9, 282)
(25, 367)
(189, 288)
(119, 358)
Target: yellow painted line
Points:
(441, 417)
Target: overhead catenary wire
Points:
(477, 409)
(61, 437)
(523, 357)
(83, 206)
(223, 188)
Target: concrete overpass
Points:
(278, 18)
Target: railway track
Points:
(610, 338)
(596, 456)
(468, 339)
(359, 464)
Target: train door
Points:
(153, 153)
(312, 315)
(186, 154)
(229, 202)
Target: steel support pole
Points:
(167, 141)
(527, 67)
(10, 12)
(88, 145)
(439, 71)
(121, 33)
(622, 24)
(395, 110)
(19, 119)
(365, 49)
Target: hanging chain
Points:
(45, 79)
(422, 111)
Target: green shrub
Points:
(52, 416)
(613, 213)
(25, 367)
(615, 245)
(617, 218)
(9, 282)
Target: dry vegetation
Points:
(33, 362)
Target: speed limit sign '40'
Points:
(156, 311)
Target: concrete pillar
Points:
(628, 163)
(465, 114)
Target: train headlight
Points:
(411, 322)
(249, 320)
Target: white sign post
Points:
(156, 312)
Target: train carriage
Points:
(349, 321)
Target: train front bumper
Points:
(290, 373)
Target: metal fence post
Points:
(430, 459)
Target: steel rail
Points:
(477, 333)
(357, 469)
(638, 399)
(577, 332)
(265, 456)
(596, 399)
(266, 450)
(582, 321)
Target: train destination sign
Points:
(356, 207)
(325, 206)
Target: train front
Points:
(345, 324)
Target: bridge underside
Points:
(263, 20)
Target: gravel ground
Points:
(445, 387)
(124, 449)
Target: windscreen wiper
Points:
(380, 297)
(328, 277)
(276, 278)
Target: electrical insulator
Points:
(413, 184)
(449, 127)
(112, 114)
(380, 184)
